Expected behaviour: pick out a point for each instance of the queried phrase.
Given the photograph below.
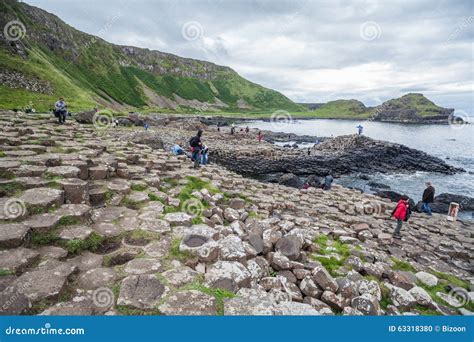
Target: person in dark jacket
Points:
(196, 146)
(401, 213)
(328, 181)
(428, 197)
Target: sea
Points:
(452, 143)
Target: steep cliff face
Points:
(90, 71)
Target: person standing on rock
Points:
(196, 146)
(60, 110)
(360, 129)
(259, 136)
(401, 213)
(428, 197)
(328, 181)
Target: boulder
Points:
(86, 117)
(13, 234)
(229, 275)
(427, 278)
(321, 277)
(289, 179)
(189, 303)
(289, 246)
(142, 292)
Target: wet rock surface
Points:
(99, 215)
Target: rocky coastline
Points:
(97, 213)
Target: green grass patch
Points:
(197, 220)
(12, 188)
(131, 204)
(451, 279)
(2, 154)
(328, 247)
(126, 311)
(218, 294)
(69, 220)
(400, 265)
(175, 254)
(155, 198)
(4, 272)
(92, 243)
(138, 187)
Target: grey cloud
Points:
(310, 50)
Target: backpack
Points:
(194, 141)
(408, 214)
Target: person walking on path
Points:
(60, 110)
(401, 213)
(196, 146)
(428, 197)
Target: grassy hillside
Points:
(413, 101)
(89, 71)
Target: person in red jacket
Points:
(401, 213)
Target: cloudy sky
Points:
(312, 51)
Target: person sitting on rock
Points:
(60, 110)
(328, 181)
(401, 213)
(177, 150)
(428, 197)
(196, 146)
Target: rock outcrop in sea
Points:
(96, 223)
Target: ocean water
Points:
(452, 143)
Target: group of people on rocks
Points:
(199, 154)
(402, 211)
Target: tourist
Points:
(247, 129)
(196, 146)
(146, 125)
(401, 213)
(428, 197)
(259, 136)
(232, 129)
(309, 151)
(177, 150)
(60, 110)
(360, 128)
(328, 181)
(204, 155)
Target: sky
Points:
(311, 51)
